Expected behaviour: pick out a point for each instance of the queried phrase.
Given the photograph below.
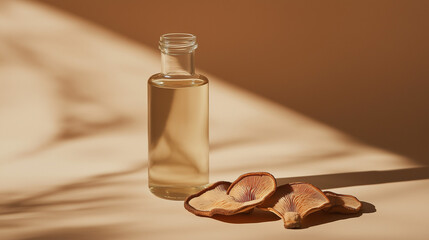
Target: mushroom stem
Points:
(292, 220)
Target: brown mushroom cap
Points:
(292, 202)
(252, 186)
(226, 198)
(346, 204)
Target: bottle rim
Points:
(177, 43)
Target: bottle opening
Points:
(177, 43)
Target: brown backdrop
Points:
(359, 66)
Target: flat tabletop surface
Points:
(73, 147)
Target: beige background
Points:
(360, 66)
(73, 137)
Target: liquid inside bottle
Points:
(178, 133)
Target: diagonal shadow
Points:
(34, 201)
(82, 233)
(348, 179)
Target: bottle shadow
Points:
(336, 180)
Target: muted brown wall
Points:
(359, 66)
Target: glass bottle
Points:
(178, 121)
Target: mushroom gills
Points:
(226, 198)
(293, 202)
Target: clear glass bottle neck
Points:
(178, 64)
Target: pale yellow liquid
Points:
(178, 136)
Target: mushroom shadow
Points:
(322, 217)
(257, 216)
(314, 219)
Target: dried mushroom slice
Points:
(346, 204)
(225, 198)
(292, 202)
(211, 200)
(253, 187)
